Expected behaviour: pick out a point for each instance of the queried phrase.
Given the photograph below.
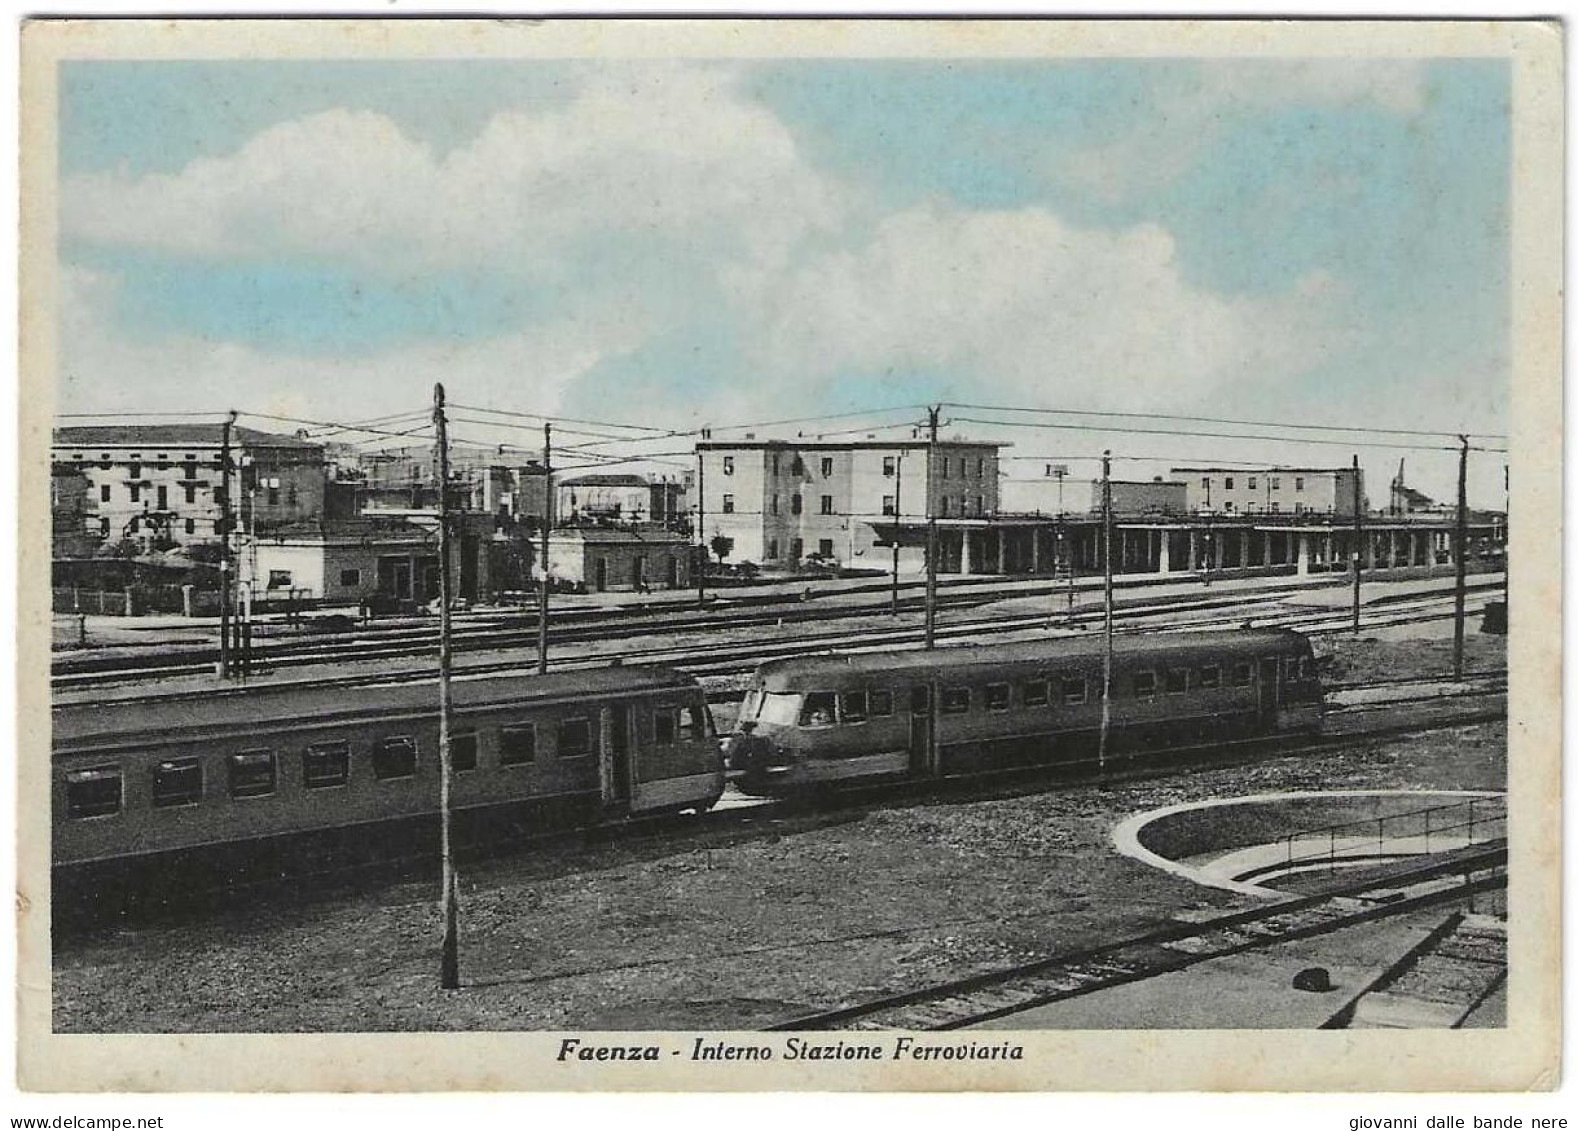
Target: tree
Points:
(722, 545)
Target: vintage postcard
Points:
(749, 555)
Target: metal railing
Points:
(1454, 824)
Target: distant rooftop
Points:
(606, 480)
(199, 435)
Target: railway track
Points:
(984, 997)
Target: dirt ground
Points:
(725, 928)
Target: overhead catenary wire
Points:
(1131, 430)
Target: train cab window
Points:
(955, 700)
(463, 751)
(1243, 674)
(1035, 693)
(252, 774)
(817, 711)
(693, 721)
(997, 697)
(1144, 685)
(575, 738)
(177, 781)
(517, 745)
(1177, 681)
(325, 766)
(852, 707)
(880, 703)
(920, 700)
(394, 758)
(665, 725)
(93, 793)
(1073, 689)
(1211, 677)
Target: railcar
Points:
(152, 801)
(959, 711)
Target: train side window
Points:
(1144, 685)
(93, 793)
(852, 707)
(326, 765)
(818, 710)
(665, 725)
(1074, 689)
(575, 738)
(1243, 673)
(881, 704)
(517, 745)
(1035, 693)
(463, 751)
(997, 697)
(252, 774)
(1177, 681)
(692, 723)
(1211, 677)
(920, 700)
(394, 758)
(177, 781)
(955, 700)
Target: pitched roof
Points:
(205, 435)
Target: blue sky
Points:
(1323, 242)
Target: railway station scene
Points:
(787, 578)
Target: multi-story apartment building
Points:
(780, 501)
(1316, 491)
(162, 484)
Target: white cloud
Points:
(1036, 311)
(670, 151)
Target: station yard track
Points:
(720, 659)
(1445, 877)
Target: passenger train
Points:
(826, 720)
(152, 801)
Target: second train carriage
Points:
(149, 799)
(958, 711)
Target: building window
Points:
(796, 548)
(945, 502)
(394, 758)
(1298, 483)
(827, 467)
(177, 781)
(980, 467)
(517, 745)
(279, 579)
(728, 504)
(104, 460)
(1251, 482)
(772, 549)
(575, 738)
(134, 525)
(1276, 482)
(463, 751)
(93, 793)
(252, 774)
(291, 495)
(350, 577)
(190, 490)
(827, 504)
(944, 467)
(773, 507)
(1227, 483)
(980, 504)
(728, 465)
(136, 493)
(955, 700)
(1276, 508)
(134, 470)
(1206, 483)
(773, 462)
(326, 765)
(887, 504)
(796, 504)
(798, 467)
(191, 526)
(1298, 508)
(163, 496)
(889, 465)
(997, 697)
(104, 493)
(824, 548)
(190, 470)
(104, 526)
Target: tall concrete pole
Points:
(898, 525)
(547, 532)
(1106, 651)
(226, 564)
(931, 526)
(1460, 552)
(449, 960)
(1358, 540)
(701, 520)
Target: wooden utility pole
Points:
(1460, 552)
(931, 526)
(226, 565)
(1106, 579)
(1358, 540)
(449, 961)
(701, 519)
(547, 532)
(898, 524)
